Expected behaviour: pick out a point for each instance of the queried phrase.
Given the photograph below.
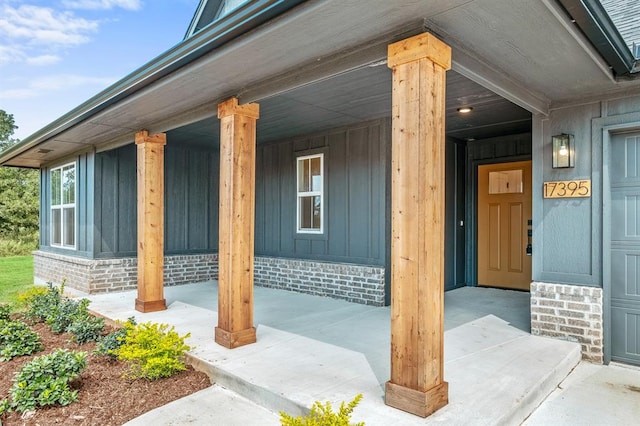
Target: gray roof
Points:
(625, 14)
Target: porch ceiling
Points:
(527, 51)
(365, 94)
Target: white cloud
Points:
(43, 60)
(44, 26)
(10, 54)
(55, 83)
(103, 4)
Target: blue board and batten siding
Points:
(115, 195)
(355, 170)
(357, 200)
(191, 201)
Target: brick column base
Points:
(569, 312)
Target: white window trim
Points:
(320, 193)
(62, 206)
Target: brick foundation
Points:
(569, 312)
(107, 275)
(354, 283)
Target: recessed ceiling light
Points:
(465, 110)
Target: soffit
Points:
(519, 39)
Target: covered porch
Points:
(316, 348)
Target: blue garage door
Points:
(625, 248)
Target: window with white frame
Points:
(63, 206)
(310, 193)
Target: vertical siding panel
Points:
(126, 201)
(376, 200)
(261, 205)
(197, 189)
(213, 191)
(108, 203)
(273, 198)
(97, 199)
(302, 247)
(358, 186)
(176, 169)
(318, 246)
(90, 203)
(288, 198)
(45, 207)
(336, 193)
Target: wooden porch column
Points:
(237, 210)
(150, 221)
(417, 225)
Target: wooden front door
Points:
(504, 211)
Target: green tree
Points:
(18, 194)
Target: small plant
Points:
(63, 315)
(152, 350)
(5, 311)
(45, 381)
(109, 344)
(323, 415)
(17, 339)
(41, 305)
(25, 297)
(86, 328)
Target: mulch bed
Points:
(104, 397)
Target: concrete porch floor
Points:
(314, 348)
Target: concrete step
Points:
(212, 406)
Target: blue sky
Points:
(55, 54)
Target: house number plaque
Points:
(567, 189)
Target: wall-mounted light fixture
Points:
(563, 151)
(465, 110)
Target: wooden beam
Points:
(236, 231)
(419, 65)
(150, 221)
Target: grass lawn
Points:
(16, 275)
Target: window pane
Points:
(55, 187)
(506, 182)
(316, 174)
(310, 212)
(317, 211)
(69, 185)
(69, 226)
(306, 208)
(303, 175)
(56, 231)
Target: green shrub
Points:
(86, 328)
(41, 306)
(323, 415)
(45, 381)
(63, 314)
(109, 344)
(5, 311)
(25, 297)
(17, 339)
(19, 246)
(152, 351)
